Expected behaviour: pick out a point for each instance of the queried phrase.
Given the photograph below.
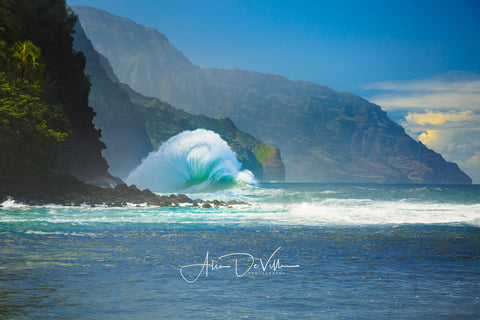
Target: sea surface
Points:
(296, 251)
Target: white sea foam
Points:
(59, 233)
(368, 212)
(332, 212)
(274, 206)
(12, 204)
(191, 161)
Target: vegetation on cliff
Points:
(29, 129)
(46, 122)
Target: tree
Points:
(44, 84)
(26, 63)
(29, 131)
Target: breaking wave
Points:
(191, 161)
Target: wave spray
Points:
(191, 161)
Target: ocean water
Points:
(297, 251)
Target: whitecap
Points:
(191, 161)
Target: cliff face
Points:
(63, 83)
(122, 126)
(324, 136)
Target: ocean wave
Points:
(368, 212)
(60, 233)
(13, 204)
(192, 161)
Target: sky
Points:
(419, 60)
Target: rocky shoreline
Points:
(69, 191)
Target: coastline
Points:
(69, 191)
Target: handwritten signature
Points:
(242, 263)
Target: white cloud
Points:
(443, 112)
(438, 100)
(456, 82)
(457, 91)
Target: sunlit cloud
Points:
(437, 118)
(442, 112)
(431, 137)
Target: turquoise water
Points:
(306, 251)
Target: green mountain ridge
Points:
(324, 135)
(133, 125)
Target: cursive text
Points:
(242, 264)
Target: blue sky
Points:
(419, 60)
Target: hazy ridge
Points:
(133, 125)
(324, 135)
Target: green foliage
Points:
(45, 93)
(25, 63)
(261, 151)
(8, 25)
(29, 131)
(29, 128)
(3, 54)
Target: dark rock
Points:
(67, 190)
(218, 203)
(183, 198)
